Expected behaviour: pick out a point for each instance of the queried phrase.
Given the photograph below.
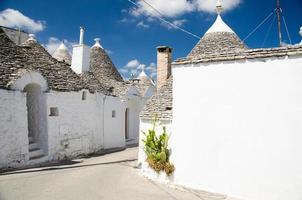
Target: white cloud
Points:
(178, 22)
(169, 8)
(151, 67)
(142, 25)
(132, 64)
(134, 67)
(175, 8)
(108, 51)
(209, 5)
(123, 71)
(141, 66)
(54, 43)
(15, 19)
(152, 70)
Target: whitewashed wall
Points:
(78, 128)
(237, 128)
(145, 125)
(114, 126)
(82, 126)
(13, 129)
(134, 107)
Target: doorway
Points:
(36, 116)
(127, 124)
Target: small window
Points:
(54, 111)
(168, 108)
(113, 114)
(84, 95)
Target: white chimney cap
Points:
(97, 43)
(32, 37)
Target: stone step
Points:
(30, 140)
(36, 154)
(37, 161)
(33, 147)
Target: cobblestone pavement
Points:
(112, 176)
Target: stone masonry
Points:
(164, 60)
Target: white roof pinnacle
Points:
(62, 46)
(32, 37)
(97, 43)
(142, 74)
(219, 26)
(219, 7)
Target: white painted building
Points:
(237, 116)
(53, 111)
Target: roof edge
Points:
(243, 55)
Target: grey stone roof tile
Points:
(160, 104)
(295, 50)
(216, 43)
(106, 73)
(31, 56)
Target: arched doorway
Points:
(37, 120)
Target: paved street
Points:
(112, 176)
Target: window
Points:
(84, 95)
(113, 114)
(168, 108)
(54, 111)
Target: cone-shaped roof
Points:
(219, 38)
(145, 82)
(105, 71)
(62, 54)
(101, 63)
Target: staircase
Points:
(35, 152)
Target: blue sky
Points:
(129, 34)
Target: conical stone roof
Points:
(145, 82)
(219, 39)
(62, 54)
(105, 71)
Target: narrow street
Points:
(112, 176)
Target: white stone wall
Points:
(78, 128)
(237, 128)
(134, 107)
(114, 135)
(13, 129)
(81, 127)
(145, 125)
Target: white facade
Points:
(237, 127)
(79, 126)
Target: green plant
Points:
(156, 149)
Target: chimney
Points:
(80, 55)
(81, 35)
(164, 60)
